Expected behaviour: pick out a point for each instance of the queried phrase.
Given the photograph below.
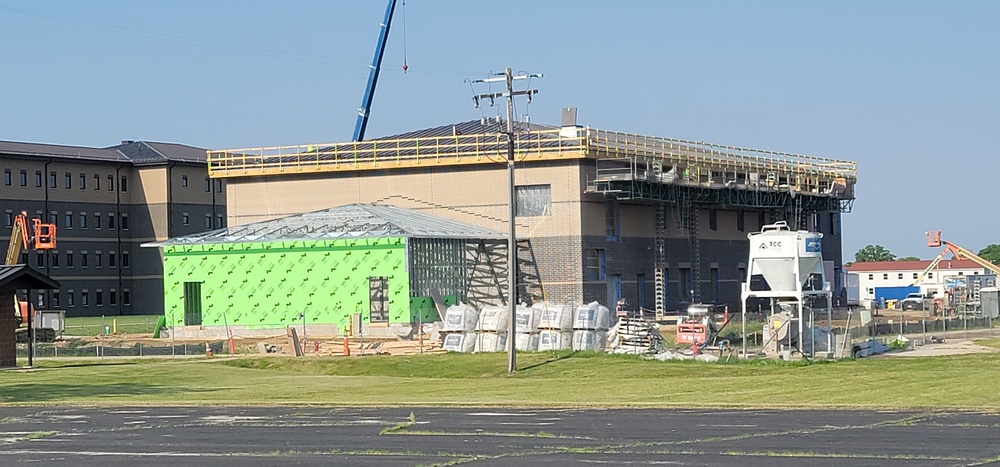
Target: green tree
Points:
(872, 253)
(991, 253)
(908, 258)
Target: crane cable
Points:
(405, 67)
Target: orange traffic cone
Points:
(347, 347)
(208, 349)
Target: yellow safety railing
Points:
(533, 145)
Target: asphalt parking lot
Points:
(241, 436)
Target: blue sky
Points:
(909, 89)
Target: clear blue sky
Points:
(908, 89)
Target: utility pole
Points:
(509, 78)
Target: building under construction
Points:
(601, 215)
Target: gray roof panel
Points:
(350, 221)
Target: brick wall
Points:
(8, 323)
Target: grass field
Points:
(563, 379)
(94, 325)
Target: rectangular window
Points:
(885, 277)
(68, 180)
(9, 219)
(111, 183)
(208, 221)
(83, 259)
(69, 220)
(219, 221)
(83, 220)
(97, 181)
(594, 265)
(378, 294)
(192, 303)
(24, 177)
(915, 275)
(70, 298)
(743, 274)
(871, 277)
(900, 276)
(715, 285)
(53, 177)
(111, 220)
(69, 259)
(112, 297)
(612, 220)
(930, 275)
(123, 184)
(185, 219)
(640, 283)
(55, 299)
(38, 179)
(54, 259)
(713, 219)
(40, 259)
(98, 259)
(761, 219)
(99, 297)
(218, 186)
(84, 297)
(208, 185)
(125, 262)
(97, 220)
(124, 221)
(184, 181)
(6, 177)
(83, 181)
(531, 200)
(740, 221)
(112, 259)
(126, 297)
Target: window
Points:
(38, 179)
(594, 265)
(126, 297)
(219, 221)
(713, 219)
(24, 177)
(112, 259)
(900, 276)
(743, 274)
(68, 180)
(112, 297)
(208, 184)
(930, 275)
(960, 273)
(97, 181)
(6, 177)
(54, 259)
(125, 259)
(70, 298)
(97, 220)
(612, 220)
(740, 222)
(41, 300)
(55, 299)
(9, 219)
(123, 184)
(69, 220)
(99, 297)
(83, 220)
(53, 177)
(84, 297)
(111, 220)
(530, 200)
(208, 221)
(184, 181)
(640, 282)
(915, 275)
(124, 221)
(885, 277)
(871, 276)
(218, 186)
(97, 259)
(185, 219)
(83, 181)
(111, 183)
(871, 290)
(40, 259)
(378, 293)
(69, 259)
(83, 259)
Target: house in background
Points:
(885, 274)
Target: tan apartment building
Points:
(608, 215)
(105, 202)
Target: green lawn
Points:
(544, 379)
(94, 325)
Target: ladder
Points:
(660, 262)
(529, 280)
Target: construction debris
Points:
(635, 336)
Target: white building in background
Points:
(904, 273)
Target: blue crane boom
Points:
(366, 101)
